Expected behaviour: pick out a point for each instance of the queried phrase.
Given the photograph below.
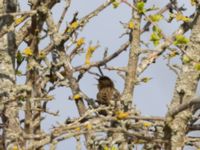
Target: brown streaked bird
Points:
(107, 94)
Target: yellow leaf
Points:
(155, 38)
(89, 126)
(113, 148)
(19, 20)
(106, 148)
(186, 59)
(28, 51)
(147, 124)
(15, 148)
(77, 97)
(87, 61)
(80, 42)
(74, 25)
(181, 17)
(180, 39)
(115, 4)
(146, 79)
(122, 115)
(131, 24)
(89, 53)
(156, 18)
(197, 66)
(92, 48)
(140, 7)
(78, 129)
(42, 55)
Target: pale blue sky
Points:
(151, 98)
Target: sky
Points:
(151, 99)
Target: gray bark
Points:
(185, 90)
(8, 105)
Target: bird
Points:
(107, 94)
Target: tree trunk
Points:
(11, 136)
(185, 90)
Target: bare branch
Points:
(192, 104)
